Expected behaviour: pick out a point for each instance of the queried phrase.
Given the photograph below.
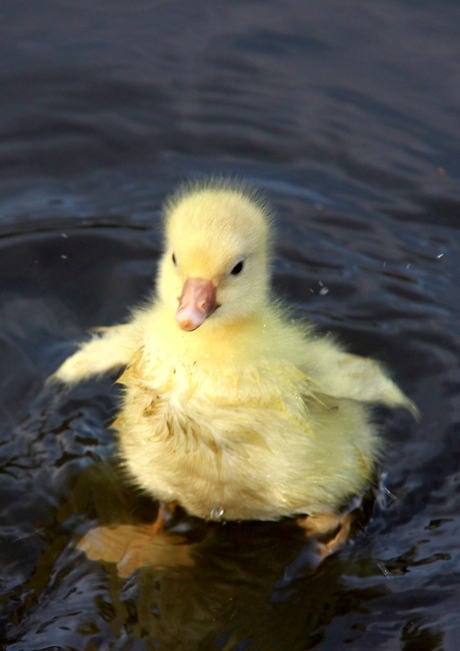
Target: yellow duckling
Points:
(229, 407)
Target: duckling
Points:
(230, 408)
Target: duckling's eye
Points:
(238, 268)
(173, 258)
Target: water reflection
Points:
(245, 585)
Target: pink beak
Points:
(196, 303)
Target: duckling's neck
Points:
(217, 340)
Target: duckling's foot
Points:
(134, 546)
(331, 530)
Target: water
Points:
(347, 115)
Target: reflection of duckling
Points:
(229, 407)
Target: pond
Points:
(346, 116)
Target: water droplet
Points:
(217, 513)
(386, 573)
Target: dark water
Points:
(347, 115)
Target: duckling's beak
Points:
(196, 303)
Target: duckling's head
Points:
(215, 265)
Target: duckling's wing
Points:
(341, 375)
(103, 353)
(365, 380)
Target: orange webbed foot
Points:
(331, 530)
(134, 546)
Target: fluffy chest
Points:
(256, 446)
(214, 447)
(204, 458)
